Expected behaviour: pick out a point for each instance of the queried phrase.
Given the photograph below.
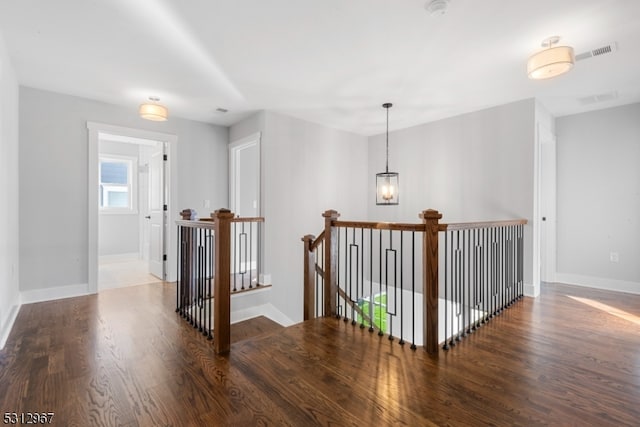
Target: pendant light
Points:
(387, 182)
(551, 61)
(153, 110)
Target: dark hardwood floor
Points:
(124, 358)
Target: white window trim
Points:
(132, 185)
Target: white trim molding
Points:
(531, 290)
(7, 324)
(599, 283)
(51, 294)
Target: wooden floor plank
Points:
(569, 357)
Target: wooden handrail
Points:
(198, 223)
(248, 219)
(379, 225)
(481, 224)
(209, 223)
(318, 240)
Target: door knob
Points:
(148, 217)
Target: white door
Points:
(157, 213)
(547, 207)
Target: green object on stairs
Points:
(379, 305)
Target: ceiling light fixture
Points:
(437, 7)
(153, 111)
(387, 182)
(550, 62)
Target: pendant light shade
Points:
(387, 183)
(153, 111)
(550, 62)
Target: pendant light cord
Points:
(387, 166)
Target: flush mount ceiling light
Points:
(436, 7)
(551, 61)
(387, 182)
(153, 111)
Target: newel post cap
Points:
(188, 214)
(331, 213)
(430, 215)
(222, 213)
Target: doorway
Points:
(129, 186)
(130, 203)
(244, 176)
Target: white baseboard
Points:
(599, 283)
(267, 310)
(7, 324)
(133, 256)
(531, 290)
(50, 294)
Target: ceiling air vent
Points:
(603, 97)
(610, 48)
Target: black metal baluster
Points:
(465, 283)
(361, 294)
(347, 290)
(395, 287)
(242, 264)
(370, 280)
(209, 282)
(401, 288)
(473, 277)
(178, 255)
(251, 255)
(485, 273)
(380, 264)
(413, 291)
(452, 283)
(198, 324)
(502, 268)
(353, 246)
(235, 250)
(446, 302)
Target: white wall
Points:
(53, 178)
(474, 167)
(306, 169)
(9, 209)
(599, 198)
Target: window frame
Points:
(131, 186)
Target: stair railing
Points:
(216, 256)
(375, 271)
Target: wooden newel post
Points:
(222, 281)
(309, 278)
(330, 262)
(430, 219)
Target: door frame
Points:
(548, 205)
(236, 147)
(170, 184)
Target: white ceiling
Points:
(328, 61)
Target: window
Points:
(117, 184)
